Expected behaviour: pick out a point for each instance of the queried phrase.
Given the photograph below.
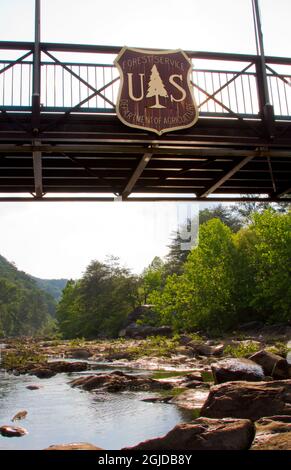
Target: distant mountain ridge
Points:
(54, 287)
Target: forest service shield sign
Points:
(155, 92)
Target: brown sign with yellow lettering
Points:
(155, 93)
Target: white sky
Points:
(53, 240)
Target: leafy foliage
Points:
(203, 296)
(264, 266)
(241, 350)
(231, 277)
(153, 278)
(98, 303)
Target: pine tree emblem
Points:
(156, 87)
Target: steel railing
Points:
(230, 89)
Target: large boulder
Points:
(249, 400)
(74, 446)
(52, 368)
(144, 313)
(272, 364)
(228, 370)
(118, 381)
(273, 433)
(204, 434)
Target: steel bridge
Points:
(60, 137)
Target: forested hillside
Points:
(240, 271)
(25, 309)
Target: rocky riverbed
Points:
(231, 393)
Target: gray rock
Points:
(272, 364)
(228, 370)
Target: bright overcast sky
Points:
(59, 240)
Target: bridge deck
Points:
(69, 140)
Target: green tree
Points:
(204, 295)
(68, 311)
(244, 211)
(225, 213)
(152, 278)
(98, 303)
(265, 268)
(176, 257)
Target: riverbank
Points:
(176, 352)
(240, 383)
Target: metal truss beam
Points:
(136, 174)
(226, 176)
(177, 150)
(143, 199)
(37, 170)
(284, 193)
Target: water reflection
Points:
(58, 413)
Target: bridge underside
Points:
(96, 154)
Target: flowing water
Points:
(58, 413)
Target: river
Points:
(58, 413)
